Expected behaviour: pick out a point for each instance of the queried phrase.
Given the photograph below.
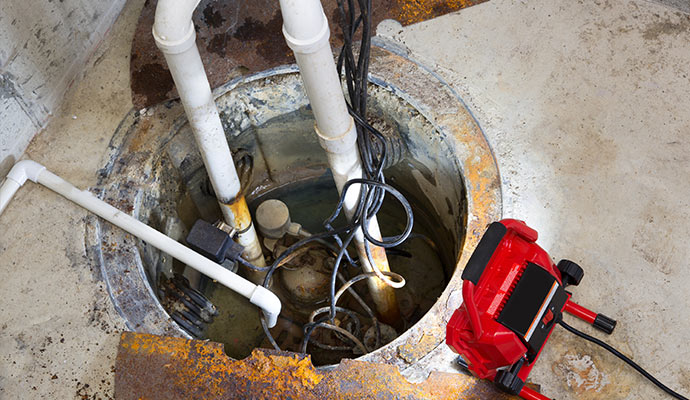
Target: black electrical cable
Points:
(365, 217)
(299, 244)
(390, 243)
(355, 15)
(309, 327)
(363, 304)
(628, 361)
(351, 314)
(264, 325)
(289, 250)
(251, 266)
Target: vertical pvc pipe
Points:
(306, 31)
(174, 33)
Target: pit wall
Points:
(44, 46)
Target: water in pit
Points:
(426, 260)
(310, 203)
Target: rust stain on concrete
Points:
(240, 38)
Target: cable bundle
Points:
(372, 148)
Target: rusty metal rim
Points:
(475, 159)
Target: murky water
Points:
(426, 260)
(310, 203)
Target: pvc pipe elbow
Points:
(20, 172)
(173, 29)
(268, 302)
(25, 169)
(302, 18)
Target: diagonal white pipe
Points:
(33, 171)
(175, 36)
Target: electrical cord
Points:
(343, 246)
(251, 266)
(358, 278)
(396, 284)
(340, 330)
(345, 311)
(363, 304)
(274, 266)
(355, 16)
(351, 314)
(620, 355)
(309, 327)
(362, 220)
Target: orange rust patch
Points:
(140, 139)
(158, 367)
(481, 173)
(240, 213)
(411, 12)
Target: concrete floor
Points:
(586, 107)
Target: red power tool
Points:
(513, 296)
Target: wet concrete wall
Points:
(44, 45)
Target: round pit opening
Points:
(269, 126)
(279, 157)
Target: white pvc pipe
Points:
(174, 34)
(306, 32)
(27, 169)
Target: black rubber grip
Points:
(604, 323)
(482, 254)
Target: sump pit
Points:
(270, 129)
(281, 159)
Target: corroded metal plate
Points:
(159, 367)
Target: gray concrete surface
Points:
(586, 107)
(44, 46)
(58, 328)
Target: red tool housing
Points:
(513, 296)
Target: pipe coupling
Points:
(176, 46)
(311, 45)
(338, 144)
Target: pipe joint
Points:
(268, 302)
(338, 144)
(175, 46)
(311, 45)
(25, 169)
